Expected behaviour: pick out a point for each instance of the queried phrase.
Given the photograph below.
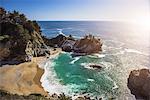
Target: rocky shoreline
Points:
(23, 52)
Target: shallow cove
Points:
(72, 76)
(125, 48)
(73, 72)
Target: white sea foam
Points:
(86, 65)
(91, 80)
(119, 53)
(106, 65)
(115, 85)
(52, 84)
(42, 29)
(129, 51)
(119, 43)
(97, 55)
(49, 80)
(74, 60)
(60, 32)
(77, 37)
(133, 51)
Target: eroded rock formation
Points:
(84, 46)
(87, 45)
(139, 83)
(16, 32)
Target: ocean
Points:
(125, 47)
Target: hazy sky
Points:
(80, 9)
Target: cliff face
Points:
(139, 83)
(20, 38)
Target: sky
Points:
(122, 10)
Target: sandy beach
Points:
(24, 79)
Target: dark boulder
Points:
(139, 83)
(95, 66)
(58, 41)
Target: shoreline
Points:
(43, 79)
(25, 78)
(22, 79)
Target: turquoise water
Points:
(72, 75)
(124, 49)
(89, 81)
(110, 81)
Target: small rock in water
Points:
(95, 66)
(80, 98)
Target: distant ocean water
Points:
(125, 47)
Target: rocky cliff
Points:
(20, 38)
(139, 83)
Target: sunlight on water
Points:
(125, 47)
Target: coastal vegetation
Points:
(21, 39)
(16, 32)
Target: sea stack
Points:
(87, 45)
(139, 83)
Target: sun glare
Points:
(144, 23)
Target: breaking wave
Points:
(60, 32)
(74, 60)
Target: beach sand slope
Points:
(22, 79)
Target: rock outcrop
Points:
(139, 83)
(84, 46)
(87, 45)
(16, 32)
(68, 45)
(21, 39)
(56, 41)
(95, 66)
(59, 41)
